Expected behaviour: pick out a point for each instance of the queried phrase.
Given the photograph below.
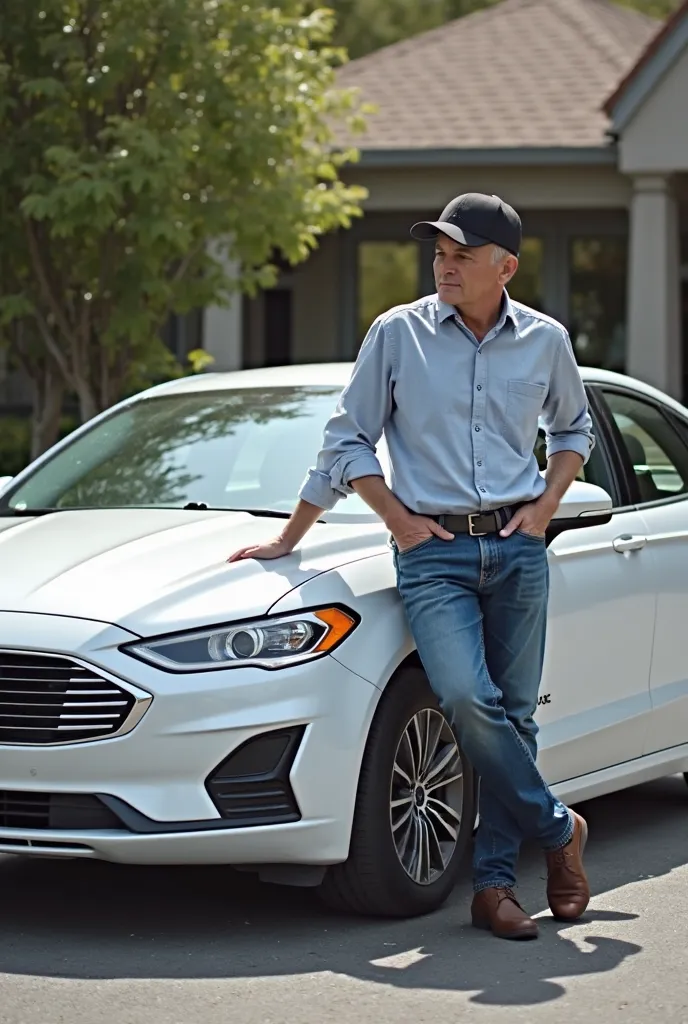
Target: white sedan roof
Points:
(338, 374)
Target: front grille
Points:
(29, 810)
(52, 699)
(251, 786)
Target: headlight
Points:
(268, 643)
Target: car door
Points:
(594, 700)
(653, 438)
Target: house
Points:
(574, 111)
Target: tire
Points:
(383, 877)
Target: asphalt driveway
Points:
(84, 943)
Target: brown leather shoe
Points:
(568, 892)
(497, 910)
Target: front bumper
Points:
(194, 722)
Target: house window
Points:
(597, 300)
(388, 275)
(183, 333)
(527, 285)
(277, 326)
(684, 311)
(684, 332)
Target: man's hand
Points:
(407, 528)
(533, 518)
(412, 530)
(301, 520)
(276, 548)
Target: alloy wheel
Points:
(426, 796)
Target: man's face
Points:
(467, 276)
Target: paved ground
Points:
(85, 943)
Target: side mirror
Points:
(5, 481)
(582, 506)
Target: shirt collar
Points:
(445, 312)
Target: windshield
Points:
(234, 449)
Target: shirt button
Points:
(479, 463)
(480, 387)
(482, 489)
(477, 429)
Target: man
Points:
(457, 381)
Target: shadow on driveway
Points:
(84, 919)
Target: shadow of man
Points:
(499, 973)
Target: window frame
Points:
(619, 451)
(615, 483)
(419, 261)
(603, 431)
(680, 424)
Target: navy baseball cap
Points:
(475, 219)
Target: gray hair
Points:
(499, 254)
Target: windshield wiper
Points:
(267, 513)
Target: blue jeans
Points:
(477, 609)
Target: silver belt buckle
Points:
(472, 532)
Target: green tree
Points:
(134, 133)
(655, 8)
(366, 25)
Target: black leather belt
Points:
(478, 524)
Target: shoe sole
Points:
(485, 926)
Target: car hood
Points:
(158, 570)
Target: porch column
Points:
(222, 325)
(222, 335)
(653, 347)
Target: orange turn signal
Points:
(339, 624)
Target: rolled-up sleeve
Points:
(566, 414)
(353, 431)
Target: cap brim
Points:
(426, 230)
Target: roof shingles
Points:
(524, 73)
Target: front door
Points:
(655, 442)
(595, 698)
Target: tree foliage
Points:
(367, 25)
(655, 8)
(135, 131)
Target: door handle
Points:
(629, 542)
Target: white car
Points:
(161, 706)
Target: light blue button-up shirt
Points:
(460, 417)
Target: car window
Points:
(657, 454)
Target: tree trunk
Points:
(88, 404)
(46, 381)
(48, 394)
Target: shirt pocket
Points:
(524, 401)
